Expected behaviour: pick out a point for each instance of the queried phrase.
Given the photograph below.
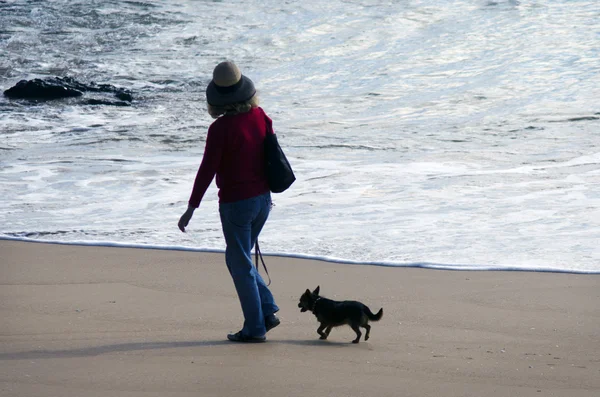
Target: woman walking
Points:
(234, 153)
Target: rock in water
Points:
(65, 87)
(41, 89)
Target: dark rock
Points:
(124, 96)
(66, 87)
(41, 89)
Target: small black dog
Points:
(331, 313)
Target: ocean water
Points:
(443, 134)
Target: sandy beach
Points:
(99, 321)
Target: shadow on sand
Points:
(129, 347)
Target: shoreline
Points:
(97, 321)
(415, 265)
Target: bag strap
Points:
(257, 253)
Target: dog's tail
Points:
(373, 317)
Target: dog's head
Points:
(308, 299)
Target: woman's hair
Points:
(234, 108)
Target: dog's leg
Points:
(328, 330)
(368, 328)
(320, 331)
(358, 333)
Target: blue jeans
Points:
(242, 222)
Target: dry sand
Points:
(97, 321)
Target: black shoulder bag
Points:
(280, 175)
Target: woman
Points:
(234, 153)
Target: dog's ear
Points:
(307, 292)
(316, 291)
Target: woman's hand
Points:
(185, 218)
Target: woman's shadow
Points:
(139, 346)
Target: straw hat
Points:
(229, 86)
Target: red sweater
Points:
(234, 152)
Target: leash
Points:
(258, 254)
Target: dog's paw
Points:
(323, 337)
(355, 341)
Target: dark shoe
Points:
(239, 337)
(271, 321)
